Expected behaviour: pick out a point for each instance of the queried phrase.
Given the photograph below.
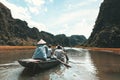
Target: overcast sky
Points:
(69, 17)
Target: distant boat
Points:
(38, 64)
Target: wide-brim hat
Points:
(41, 42)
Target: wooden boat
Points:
(38, 64)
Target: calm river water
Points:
(86, 65)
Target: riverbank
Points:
(16, 47)
(115, 50)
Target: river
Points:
(85, 65)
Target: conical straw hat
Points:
(41, 42)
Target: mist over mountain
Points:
(106, 32)
(17, 32)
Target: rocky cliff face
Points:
(76, 40)
(17, 32)
(106, 32)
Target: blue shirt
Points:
(41, 52)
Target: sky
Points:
(69, 17)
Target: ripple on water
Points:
(79, 60)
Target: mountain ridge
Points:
(17, 32)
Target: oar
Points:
(63, 63)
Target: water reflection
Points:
(28, 74)
(8, 56)
(82, 65)
(85, 66)
(108, 65)
(10, 72)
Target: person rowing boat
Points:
(60, 54)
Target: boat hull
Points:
(38, 64)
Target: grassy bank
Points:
(115, 50)
(16, 47)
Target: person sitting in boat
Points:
(41, 51)
(49, 51)
(60, 54)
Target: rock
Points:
(106, 32)
(17, 32)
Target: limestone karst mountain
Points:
(106, 32)
(17, 32)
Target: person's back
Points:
(41, 52)
(59, 53)
(49, 51)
